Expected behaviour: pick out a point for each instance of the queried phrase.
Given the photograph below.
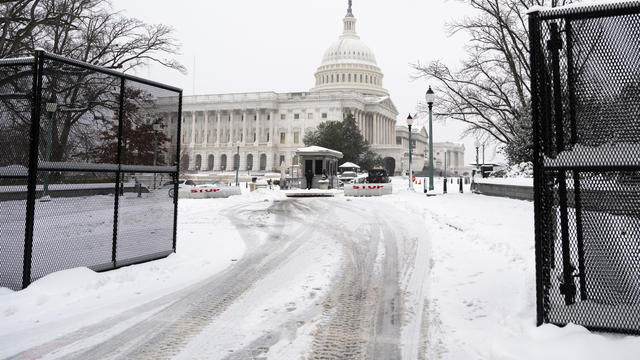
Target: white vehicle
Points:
(347, 176)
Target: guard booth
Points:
(323, 163)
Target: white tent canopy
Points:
(349, 165)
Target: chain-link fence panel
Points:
(87, 158)
(74, 226)
(145, 218)
(586, 112)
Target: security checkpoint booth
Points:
(323, 163)
(349, 166)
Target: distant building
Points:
(454, 154)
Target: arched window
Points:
(249, 162)
(366, 79)
(263, 162)
(360, 77)
(331, 77)
(349, 77)
(343, 77)
(198, 162)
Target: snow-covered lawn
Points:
(481, 301)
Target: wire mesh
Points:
(94, 169)
(16, 79)
(75, 227)
(586, 111)
(145, 218)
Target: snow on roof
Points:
(583, 6)
(319, 150)
(349, 165)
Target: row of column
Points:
(377, 129)
(270, 160)
(221, 129)
(455, 159)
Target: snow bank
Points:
(506, 181)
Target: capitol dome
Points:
(349, 64)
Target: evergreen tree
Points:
(344, 136)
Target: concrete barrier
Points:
(208, 192)
(519, 192)
(368, 189)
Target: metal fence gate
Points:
(585, 65)
(87, 156)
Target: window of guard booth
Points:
(318, 170)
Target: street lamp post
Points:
(51, 109)
(238, 164)
(429, 96)
(409, 123)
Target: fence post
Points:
(32, 178)
(176, 175)
(119, 190)
(444, 189)
(461, 185)
(568, 288)
(538, 180)
(576, 174)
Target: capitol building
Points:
(270, 126)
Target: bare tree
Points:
(490, 91)
(85, 30)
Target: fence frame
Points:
(35, 165)
(543, 105)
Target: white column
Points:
(193, 130)
(271, 130)
(231, 128)
(244, 128)
(385, 130)
(257, 128)
(375, 129)
(388, 130)
(218, 129)
(206, 128)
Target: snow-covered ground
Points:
(261, 276)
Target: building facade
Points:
(268, 127)
(260, 132)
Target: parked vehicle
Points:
(378, 176)
(347, 176)
(181, 185)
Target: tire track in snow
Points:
(164, 334)
(362, 311)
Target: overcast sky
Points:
(277, 45)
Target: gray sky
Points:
(276, 45)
